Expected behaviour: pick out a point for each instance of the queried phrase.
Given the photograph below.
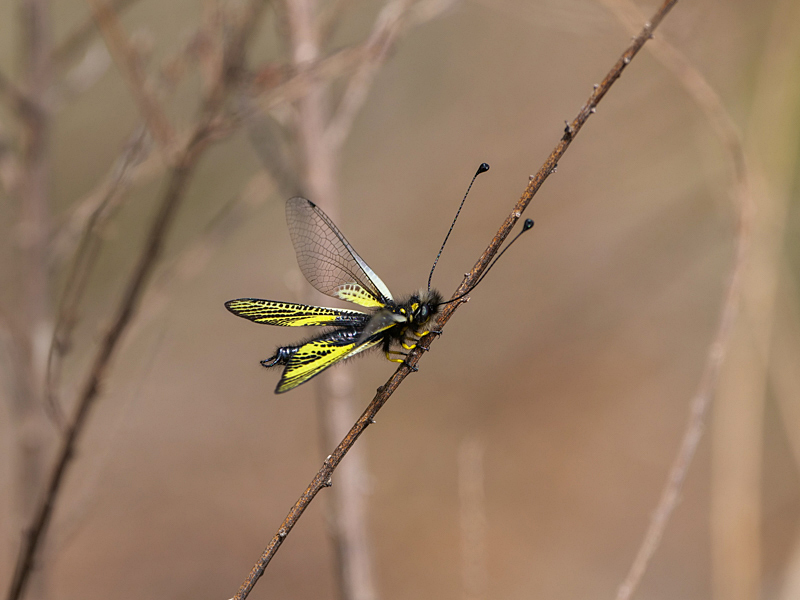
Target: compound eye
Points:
(423, 311)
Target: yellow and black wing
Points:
(328, 260)
(316, 355)
(288, 314)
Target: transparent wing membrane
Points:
(328, 261)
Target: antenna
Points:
(482, 169)
(525, 227)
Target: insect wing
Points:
(327, 259)
(315, 356)
(287, 314)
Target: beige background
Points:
(573, 364)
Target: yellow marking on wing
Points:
(287, 314)
(316, 356)
(352, 292)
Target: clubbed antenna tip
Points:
(527, 225)
(482, 169)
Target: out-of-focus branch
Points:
(15, 98)
(785, 385)
(329, 19)
(738, 433)
(347, 522)
(707, 99)
(31, 310)
(393, 19)
(190, 261)
(323, 478)
(83, 35)
(180, 174)
(472, 512)
(82, 264)
(385, 32)
(133, 71)
(272, 93)
(10, 168)
(178, 181)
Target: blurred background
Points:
(526, 456)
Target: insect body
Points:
(331, 265)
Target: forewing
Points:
(328, 261)
(287, 314)
(313, 357)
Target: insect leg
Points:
(416, 337)
(395, 360)
(407, 347)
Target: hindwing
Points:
(318, 354)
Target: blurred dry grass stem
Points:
(473, 522)
(738, 434)
(709, 101)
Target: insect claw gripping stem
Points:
(412, 368)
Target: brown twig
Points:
(726, 131)
(323, 478)
(178, 180)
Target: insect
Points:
(332, 266)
